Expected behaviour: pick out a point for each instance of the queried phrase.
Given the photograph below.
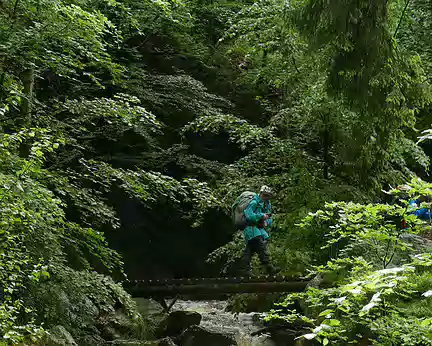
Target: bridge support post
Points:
(165, 306)
(162, 302)
(172, 303)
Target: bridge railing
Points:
(214, 286)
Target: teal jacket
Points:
(254, 215)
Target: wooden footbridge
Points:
(213, 287)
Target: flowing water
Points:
(217, 319)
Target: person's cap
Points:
(266, 190)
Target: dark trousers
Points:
(257, 245)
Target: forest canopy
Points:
(128, 128)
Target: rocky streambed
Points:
(219, 327)
(207, 323)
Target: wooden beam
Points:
(207, 287)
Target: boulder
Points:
(200, 336)
(177, 322)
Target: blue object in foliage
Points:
(422, 213)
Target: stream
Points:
(216, 319)
(208, 323)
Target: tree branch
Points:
(401, 18)
(295, 65)
(15, 8)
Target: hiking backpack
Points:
(238, 208)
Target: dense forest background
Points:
(129, 127)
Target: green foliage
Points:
(239, 131)
(37, 237)
(413, 23)
(176, 94)
(108, 104)
(363, 305)
(350, 113)
(426, 135)
(376, 278)
(84, 301)
(61, 36)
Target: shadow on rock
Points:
(200, 336)
(177, 322)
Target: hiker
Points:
(258, 220)
(423, 213)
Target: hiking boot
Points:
(271, 270)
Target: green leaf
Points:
(326, 312)
(334, 323)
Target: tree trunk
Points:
(27, 79)
(326, 140)
(326, 153)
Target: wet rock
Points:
(419, 243)
(200, 336)
(166, 342)
(257, 318)
(177, 322)
(260, 340)
(132, 343)
(161, 342)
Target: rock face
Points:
(177, 322)
(200, 336)
(59, 336)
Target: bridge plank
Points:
(212, 286)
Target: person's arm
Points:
(269, 221)
(251, 216)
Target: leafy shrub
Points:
(375, 287)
